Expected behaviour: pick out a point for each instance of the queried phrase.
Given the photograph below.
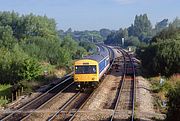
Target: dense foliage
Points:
(27, 41)
(142, 27)
(13, 65)
(163, 55)
(90, 47)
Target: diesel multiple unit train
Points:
(89, 70)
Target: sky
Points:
(95, 14)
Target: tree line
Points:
(162, 55)
(139, 33)
(86, 35)
(28, 41)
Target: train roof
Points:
(100, 56)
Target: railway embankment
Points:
(145, 108)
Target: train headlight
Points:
(93, 78)
(76, 79)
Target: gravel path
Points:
(145, 108)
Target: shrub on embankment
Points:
(166, 95)
(162, 55)
(174, 103)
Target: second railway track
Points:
(27, 109)
(125, 101)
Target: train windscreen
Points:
(88, 69)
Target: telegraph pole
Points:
(122, 41)
(92, 38)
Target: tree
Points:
(116, 37)
(104, 33)
(163, 55)
(11, 62)
(30, 69)
(175, 23)
(90, 47)
(141, 28)
(6, 37)
(161, 25)
(70, 45)
(132, 41)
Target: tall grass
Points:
(5, 94)
(161, 90)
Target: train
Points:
(89, 70)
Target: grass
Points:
(160, 90)
(31, 86)
(51, 74)
(5, 94)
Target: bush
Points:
(162, 55)
(15, 65)
(30, 69)
(174, 104)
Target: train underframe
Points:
(87, 85)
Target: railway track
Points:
(71, 108)
(25, 110)
(125, 100)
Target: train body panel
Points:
(86, 70)
(91, 68)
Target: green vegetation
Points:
(91, 36)
(33, 52)
(162, 91)
(31, 48)
(174, 103)
(162, 55)
(5, 92)
(90, 47)
(139, 32)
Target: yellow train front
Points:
(89, 70)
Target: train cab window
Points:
(90, 69)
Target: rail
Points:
(134, 90)
(48, 101)
(121, 85)
(134, 86)
(73, 116)
(34, 101)
(64, 106)
(120, 89)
